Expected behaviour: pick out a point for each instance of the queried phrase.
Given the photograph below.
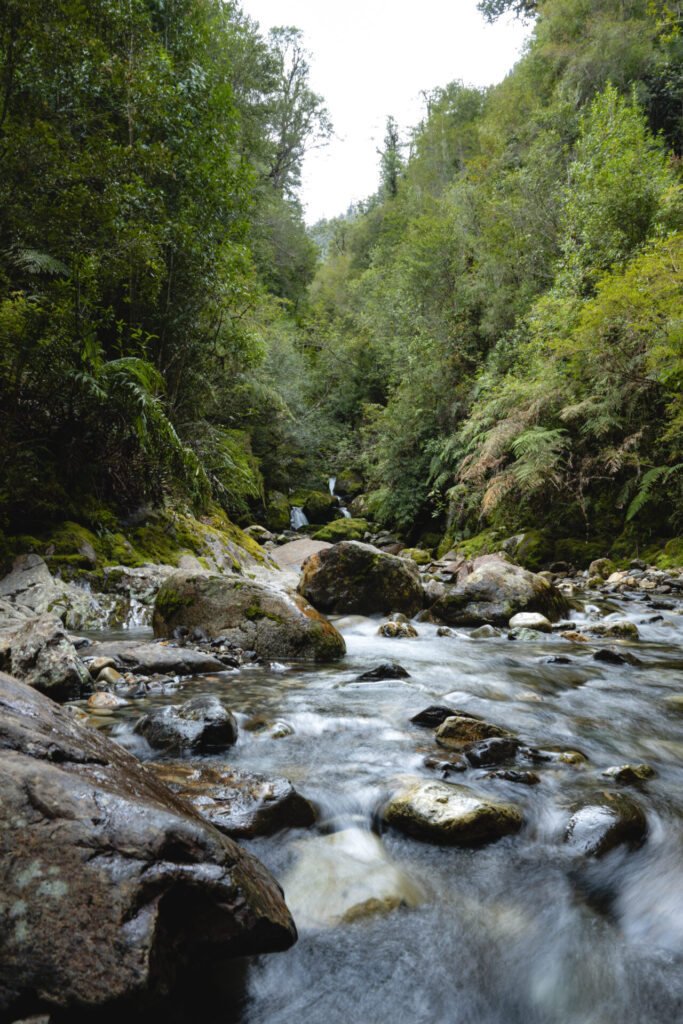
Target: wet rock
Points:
(435, 714)
(199, 725)
(101, 699)
(622, 630)
(457, 731)
(493, 751)
(240, 803)
(573, 757)
(612, 657)
(432, 591)
(496, 591)
(273, 623)
(95, 665)
(612, 819)
(41, 654)
(558, 659)
(629, 774)
(531, 620)
(509, 775)
(345, 876)
(446, 765)
(602, 567)
(444, 631)
(33, 591)
(115, 884)
(485, 633)
(356, 578)
(443, 812)
(149, 658)
(108, 677)
(387, 670)
(397, 630)
(574, 637)
(528, 635)
(675, 702)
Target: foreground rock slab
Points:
(240, 803)
(274, 623)
(41, 654)
(355, 578)
(494, 593)
(442, 812)
(109, 883)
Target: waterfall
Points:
(331, 484)
(297, 518)
(345, 512)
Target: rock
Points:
(529, 635)
(521, 778)
(613, 819)
(349, 483)
(108, 676)
(343, 877)
(484, 633)
(675, 702)
(602, 567)
(612, 657)
(443, 812)
(573, 757)
(150, 658)
(418, 555)
(397, 630)
(101, 699)
(493, 751)
(114, 884)
(31, 589)
(387, 670)
(294, 554)
(342, 529)
(41, 654)
(278, 512)
(432, 591)
(531, 620)
(628, 774)
(557, 659)
(444, 631)
(574, 637)
(446, 765)
(621, 630)
(274, 623)
(458, 730)
(240, 803)
(435, 714)
(95, 665)
(638, 563)
(496, 591)
(199, 725)
(357, 578)
(320, 507)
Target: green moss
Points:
(169, 601)
(534, 550)
(255, 611)
(485, 543)
(578, 552)
(672, 555)
(342, 529)
(417, 555)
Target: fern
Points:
(33, 262)
(644, 495)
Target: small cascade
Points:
(298, 518)
(331, 484)
(344, 511)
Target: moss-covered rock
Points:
(495, 592)
(278, 512)
(417, 555)
(320, 507)
(342, 529)
(273, 623)
(534, 550)
(357, 578)
(349, 483)
(672, 555)
(579, 552)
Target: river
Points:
(517, 931)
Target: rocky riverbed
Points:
(478, 809)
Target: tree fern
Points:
(644, 495)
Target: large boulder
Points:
(320, 507)
(441, 812)
(110, 885)
(32, 590)
(274, 623)
(40, 653)
(495, 592)
(240, 803)
(198, 726)
(357, 578)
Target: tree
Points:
(391, 160)
(493, 9)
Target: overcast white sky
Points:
(371, 58)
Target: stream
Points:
(517, 931)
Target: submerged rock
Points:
(446, 765)
(357, 578)
(345, 877)
(443, 812)
(494, 593)
(628, 774)
(621, 630)
(609, 821)
(387, 670)
(485, 633)
(274, 623)
(531, 620)
(41, 654)
(492, 751)
(240, 803)
(459, 730)
(110, 883)
(435, 714)
(146, 658)
(199, 725)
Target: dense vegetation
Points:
(493, 339)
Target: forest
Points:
(490, 344)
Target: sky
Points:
(372, 58)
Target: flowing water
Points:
(517, 931)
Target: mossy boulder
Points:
(578, 552)
(278, 512)
(348, 483)
(495, 592)
(342, 529)
(320, 507)
(672, 555)
(360, 507)
(534, 550)
(602, 567)
(274, 623)
(418, 555)
(357, 578)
